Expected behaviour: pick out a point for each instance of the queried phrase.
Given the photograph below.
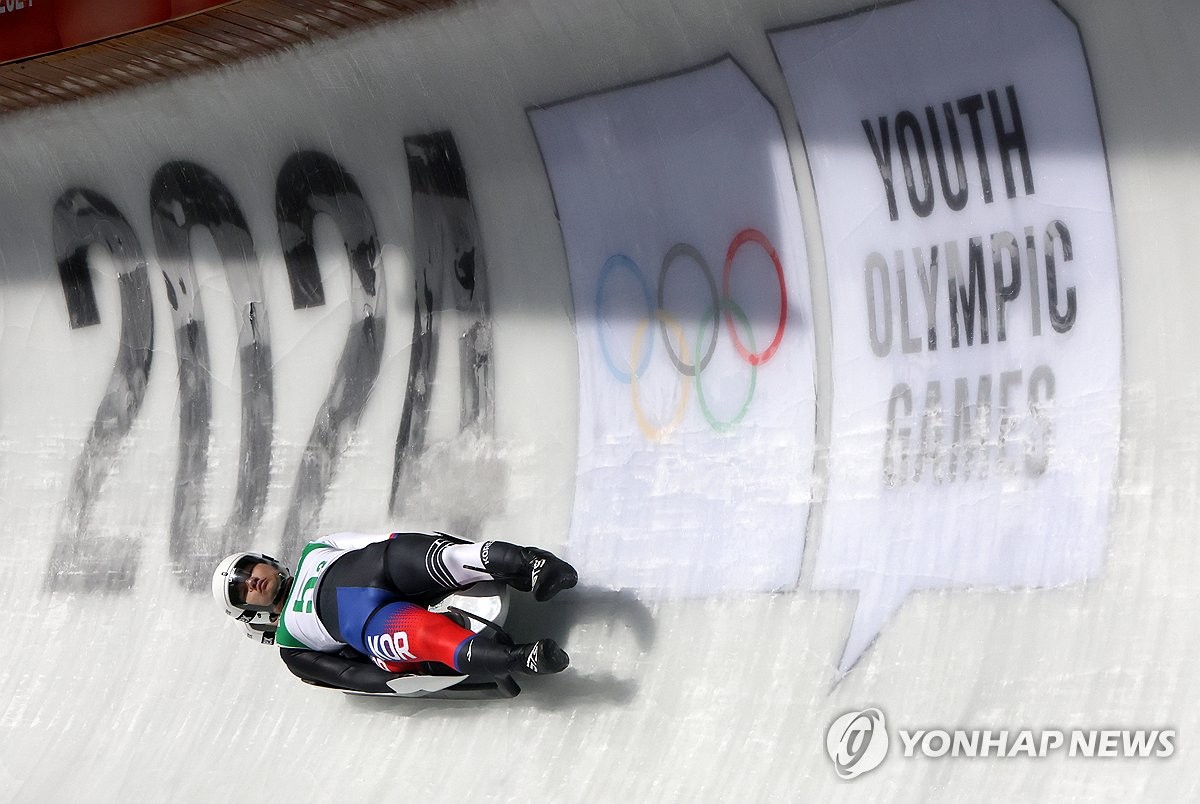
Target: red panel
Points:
(27, 29)
(181, 7)
(82, 21)
(33, 27)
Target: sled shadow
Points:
(528, 619)
(584, 604)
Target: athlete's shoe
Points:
(529, 569)
(549, 574)
(538, 658)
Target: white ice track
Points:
(147, 693)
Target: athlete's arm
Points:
(345, 672)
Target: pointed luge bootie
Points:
(538, 658)
(528, 569)
(500, 657)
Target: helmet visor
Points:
(239, 577)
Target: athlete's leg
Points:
(416, 566)
(423, 566)
(404, 632)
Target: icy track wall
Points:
(803, 330)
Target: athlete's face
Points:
(262, 585)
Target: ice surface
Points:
(132, 688)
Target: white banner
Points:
(968, 227)
(697, 410)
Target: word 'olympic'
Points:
(722, 303)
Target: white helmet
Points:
(260, 621)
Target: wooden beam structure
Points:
(209, 39)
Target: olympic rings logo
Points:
(669, 328)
